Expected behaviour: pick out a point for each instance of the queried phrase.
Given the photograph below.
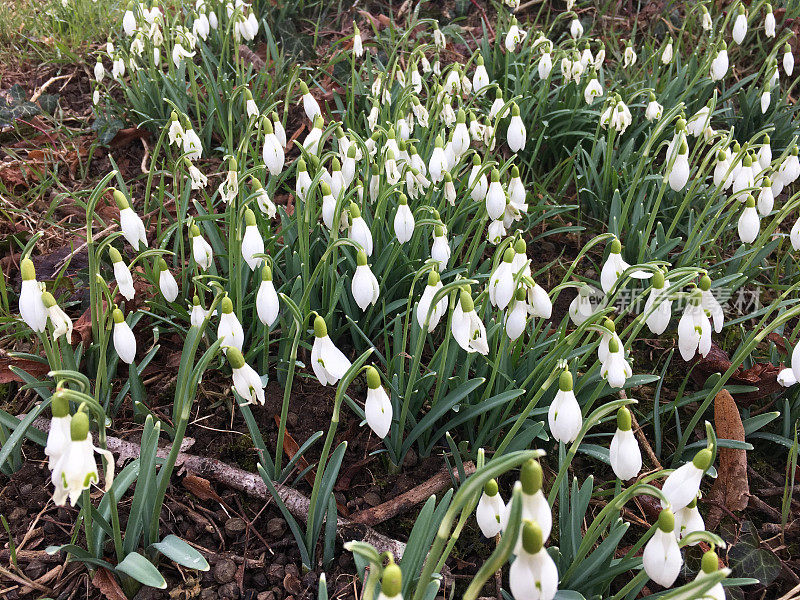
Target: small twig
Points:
(47, 83)
(641, 438)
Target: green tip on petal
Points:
(702, 460)
(710, 562)
(613, 345)
(705, 283)
(531, 476)
(120, 199)
(79, 427)
(392, 582)
(320, 328)
(226, 306)
(491, 489)
(565, 381)
(235, 358)
(624, 419)
(249, 217)
(373, 378)
(28, 270)
(666, 521)
(59, 405)
(532, 538)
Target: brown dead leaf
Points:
(764, 376)
(201, 488)
(731, 489)
(83, 326)
(291, 448)
(126, 136)
(35, 368)
(105, 582)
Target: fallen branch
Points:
(252, 485)
(403, 502)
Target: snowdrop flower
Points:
(425, 302)
(514, 36)
(654, 110)
(788, 60)
(403, 221)
(449, 189)
(683, 484)
(616, 370)
(467, 328)
(593, 90)
(575, 29)
(496, 232)
(179, 54)
(328, 205)
(327, 361)
(76, 470)
(580, 309)
(615, 266)
(699, 121)
(358, 46)
(666, 54)
(197, 180)
(545, 65)
(629, 57)
(129, 23)
(378, 406)
(359, 230)
(740, 26)
(478, 183)
(766, 98)
(587, 60)
(166, 282)
(480, 79)
(534, 503)
(706, 19)
(719, 66)
(516, 316)
(132, 227)
(765, 154)
(501, 283)
(609, 332)
(461, 135)
(438, 38)
(229, 188)
(617, 115)
(694, 329)
(794, 235)
(786, 377)
(744, 179)
(749, 222)
(662, 557)
(539, 303)
(264, 202)
(246, 381)
(688, 520)
(59, 437)
(495, 197)
(349, 166)
(440, 249)
(31, 306)
(198, 314)
(122, 274)
(272, 153)
(769, 22)
(679, 173)
(438, 162)
(391, 583)
(489, 510)
(658, 320)
(201, 26)
(516, 134)
(62, 324)
(99, 71)
(364, 286)
(303, 183)
(201, 250)
(624, 453)
(310, 105)
(710, 304)
(533, 574)
(267, 303)
(124, 340)
(311, 143)
(708, 566)
(564, 415)
(796, 362)
(118, 68)
(229, 330)
(252, 242)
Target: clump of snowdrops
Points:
(406, 257)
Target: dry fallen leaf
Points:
(731, 489)
(104, 581)
(201, 488)
(35, 368)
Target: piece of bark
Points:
(403, 502)
(253, 485)
(731, 487)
